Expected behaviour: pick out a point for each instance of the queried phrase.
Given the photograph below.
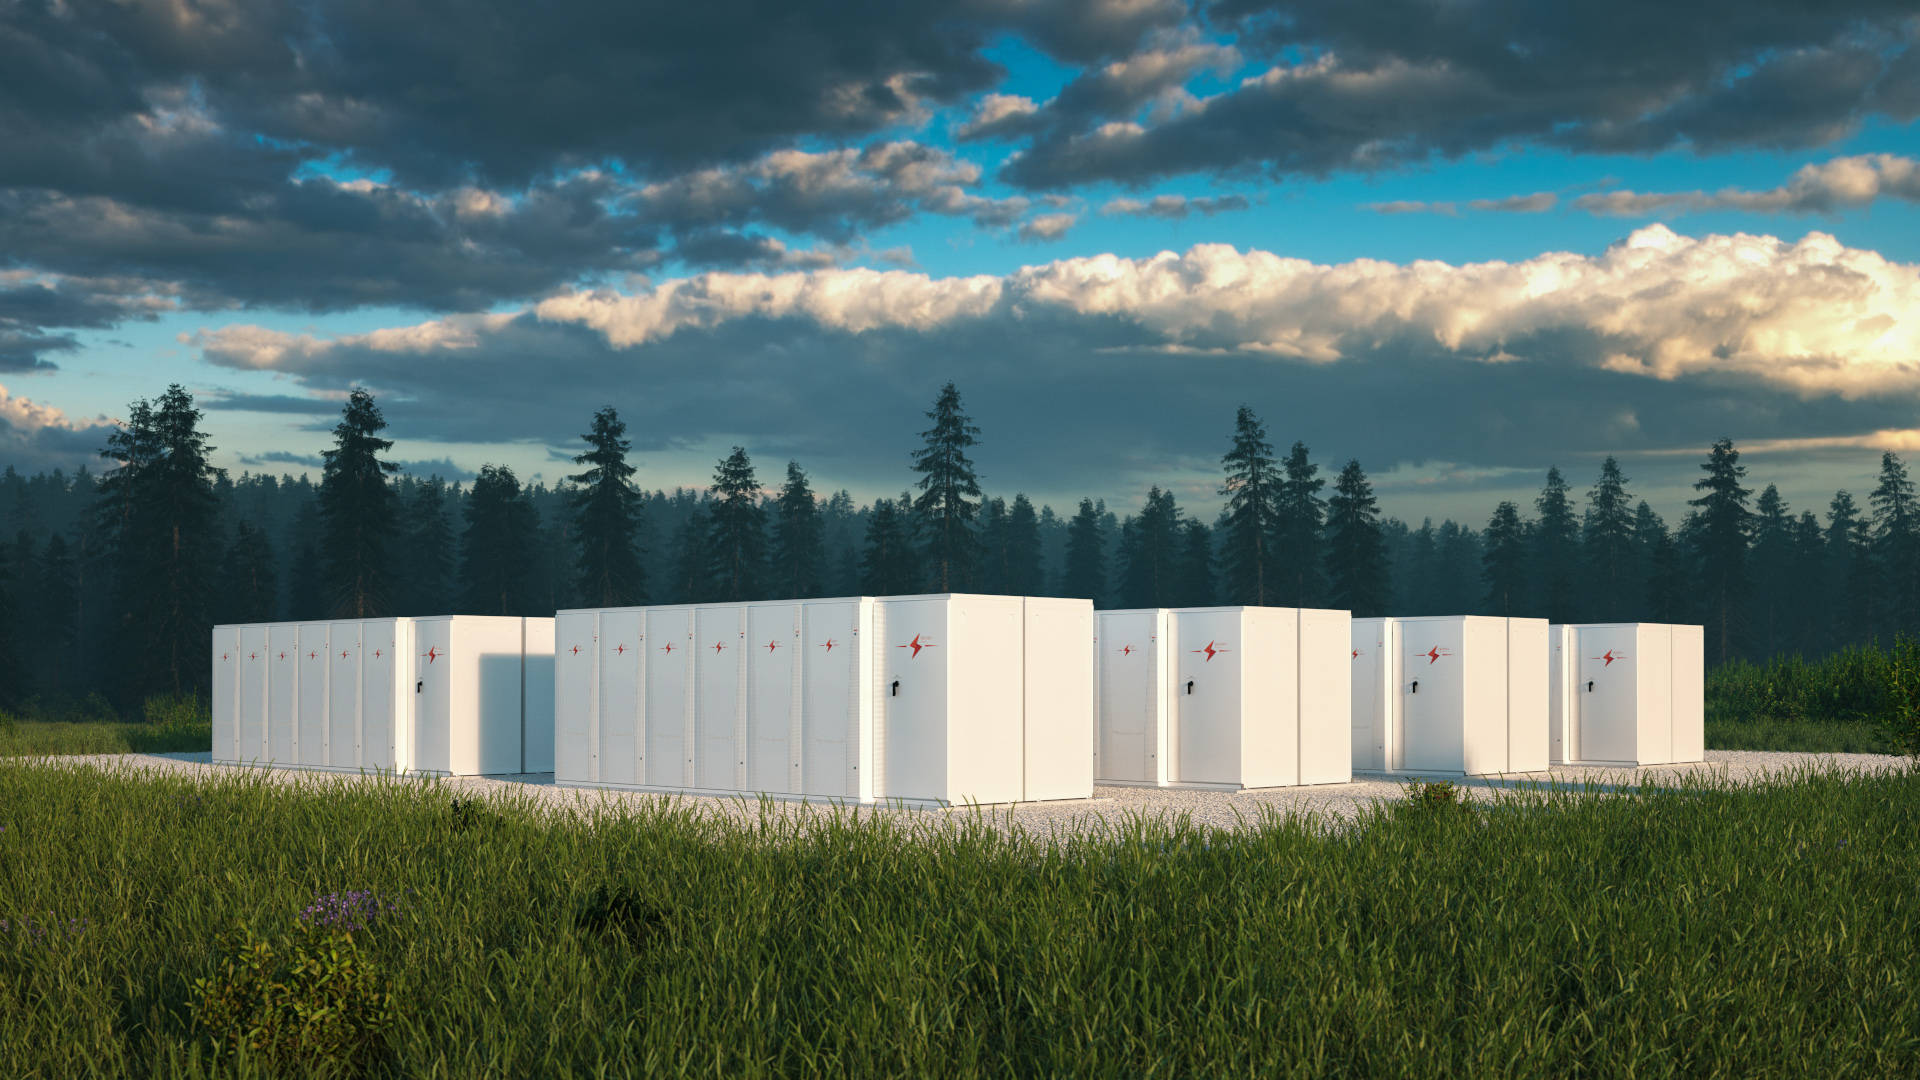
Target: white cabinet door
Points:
(1129, 690)
(378, 640)
(343, 695)
(914, 698)
(670, 659)
(251, 720)
(283, 702)
(719, 637)
(1207, 695)
(1606, 693)
(829, 722)
(312, 746)
(433, 696)
(575, 645)
(773, 648)
(226, 696)
(618, 697)
(1433, 695)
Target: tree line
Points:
(111, 582)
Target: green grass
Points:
(1763, 932)
(1814, 736)
(27, 738)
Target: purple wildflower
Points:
(355, 909)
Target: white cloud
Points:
(244, 345)
(1047, 227)
(1810, 317)
(23, 419)
(1845, 183)
(1173, 207)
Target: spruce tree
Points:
(891, 566)
(1505, 562)
(990, 574)
(1648, 528)
(357, 513)
(1896, 546)
(1460, 553)
(252, 592)
(1850, 568)
(799, 539)
(1720, 546)
(11, 682)
(1357, 567)
(606, 518)
(947, 482)
(1085, 575)
(163, 502)
(427, 551)
(1422, 573)
(56, 613)
(1023, 574)
(1556, 551)
(737, 539)
(1613, 572)
(690, 559)
(1150, 554)
(1249, 573)
(1807, 594)
(1773, 563)
(1195, 587)
(1301, 516)
(1666, 581)
(502, 529)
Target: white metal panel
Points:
(669, 689)
(831, 675)
(617, 701)
(1058, 679)
(251, 718)
(1688, 702)
(1654, 693)
(283, 701)
(378, 640)
(310, 736)
(1433, 694)
(1326, 696)
(490, 661)
(343, 695)
(914, 705)
(1607, 692)
(1132, 697)
(1269, 697)
(574, 745)
(1484, 715)
(536, 725)
(719, 635)
(1371, 690)
(1559, 696)
(1527, 691)
(1207, 695)
(433, 696)
(985, 699)
(772, 651)
(227, 664)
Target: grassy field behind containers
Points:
(1711, 931)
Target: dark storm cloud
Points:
(1381, 85)
(35, 308)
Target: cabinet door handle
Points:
(1189, 687)
(420, 686)
(1589, 686)
(896, 688)
(1416, 686)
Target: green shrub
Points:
(313, 1001)
(1900, 718)
(1849, 685)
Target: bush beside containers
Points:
(456, 695)
(1627, 694)
(945, 699)
(1225, 698)
(1462, 695)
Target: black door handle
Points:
(1189, 687)
(1589, 686)
(1416, 686)
(896, 688)
(419, 686)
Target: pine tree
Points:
(56, 613)
(1648, 528)
(1301, 515)
(1773, 559)
(1613, 571)
(1422, 577)
(1086, 569)
(606, 519)
(1357, 567)
(990, 574)
(357, 512)
(891, 566)
(1459, 591)
(1505, 562)
(11, 681)
(1807, 591)
(1195, 586)
(737, 539)
(1896, 546)
(947, 480)
(1023, 575)
(1720, 545)
(1666, 581)
(799, 539)
(252, 593)
(691, 583)
(1556, 551)
(162, 500)
(1150, 553)
(426, 552)
(502, 529)
(1249, 572)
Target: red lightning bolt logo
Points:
(1434, 654)
(1126, 650)
(576, 650)
(622, 650)
(717, 646)
(828, 645)
(1211, 651)
(432, 653)
(667, 648)
(1609, 658)
(916, 645)
(772, 645)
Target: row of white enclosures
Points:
(953, 698)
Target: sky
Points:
(1458, 241)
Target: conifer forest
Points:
(110, 578)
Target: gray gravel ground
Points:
(1110, 805)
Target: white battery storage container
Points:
(1463, 695)
(942, 699)
(453, 695)
(1627, 694)
(1225, 698)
